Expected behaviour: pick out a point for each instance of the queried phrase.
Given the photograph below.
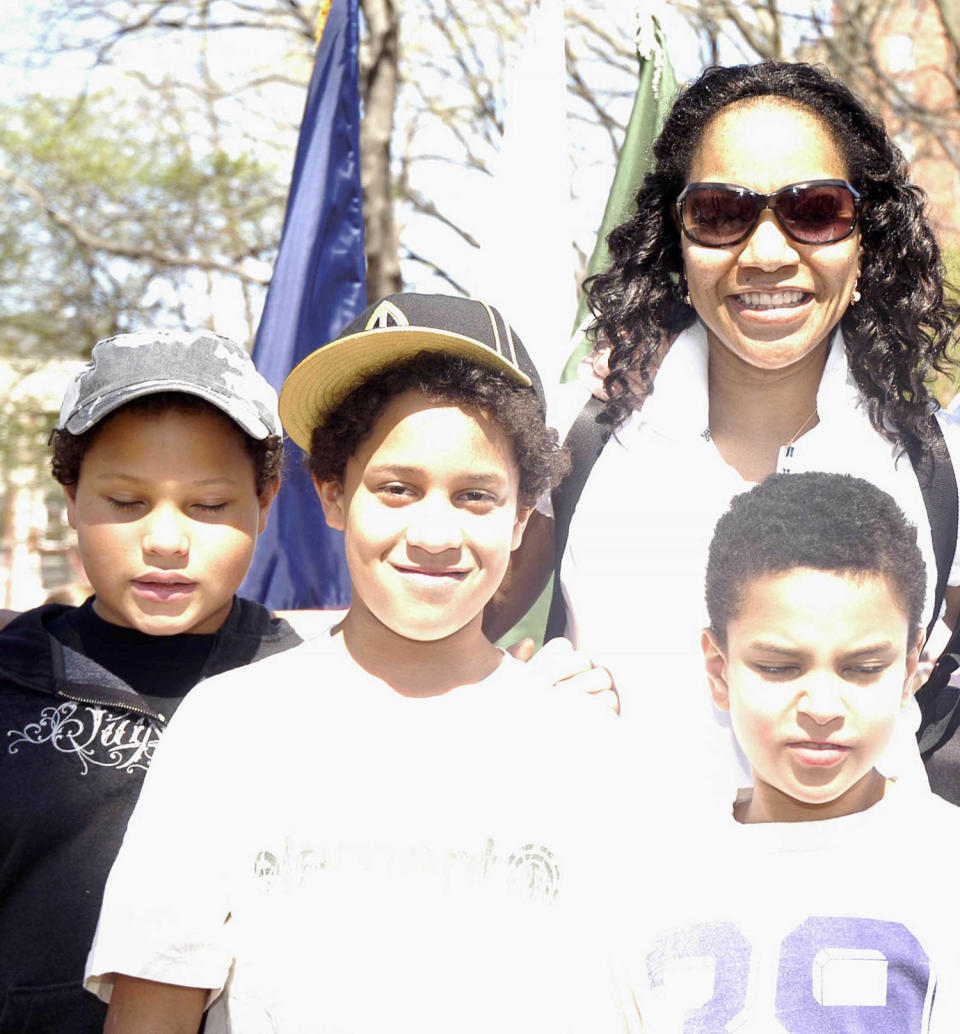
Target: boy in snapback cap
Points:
(410, 854)
(168, 448)
(397, 328)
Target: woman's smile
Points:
(763, 301)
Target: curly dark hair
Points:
(827, 522)
(896, 335)
(69, 449)
(445, 380)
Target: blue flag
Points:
(318, 286)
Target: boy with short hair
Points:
(815, 910)
(168, 447)
(408, 852)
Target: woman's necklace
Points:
(707, 435)
(788, 449)
(796, 434)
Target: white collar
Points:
(898, 806)
(838, 397)
(679, 405)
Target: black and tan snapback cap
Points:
(396, 328)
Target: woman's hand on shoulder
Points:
(569, 669)
(594, 368)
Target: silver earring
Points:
(855, 297)
(682, 289)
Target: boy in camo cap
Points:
(169, 448)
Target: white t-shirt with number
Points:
(841, 926)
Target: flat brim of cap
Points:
(319, 383)
(243, 414)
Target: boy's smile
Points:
(167, 516)
(816, 669)
(429, 511)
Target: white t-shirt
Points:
(842, 926)
(633, 570)
(345, 859)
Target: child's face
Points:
(816, 669)
(167, 516)
(429, 511)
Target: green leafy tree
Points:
(119, 219)
(115, 219)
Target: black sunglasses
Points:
(717, 215)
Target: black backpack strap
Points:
(939, 708)
(585, 441)
(938, 484)
(940, 713)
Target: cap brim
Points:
(243, 414)
(319, 383)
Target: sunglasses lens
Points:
(715, 216)
(817, 213)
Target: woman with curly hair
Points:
(775, 303)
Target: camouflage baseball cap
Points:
(196, 362)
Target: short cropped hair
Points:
(69, 449)
(827, 522)
(445, 379)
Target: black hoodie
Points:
(75, 744)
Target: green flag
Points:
(656, 90)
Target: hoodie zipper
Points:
(112, 703)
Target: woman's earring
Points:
(683, 290)
(855, 296)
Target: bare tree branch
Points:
(436, 270)
(612, 45)
(426, 207)
(581, 90)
